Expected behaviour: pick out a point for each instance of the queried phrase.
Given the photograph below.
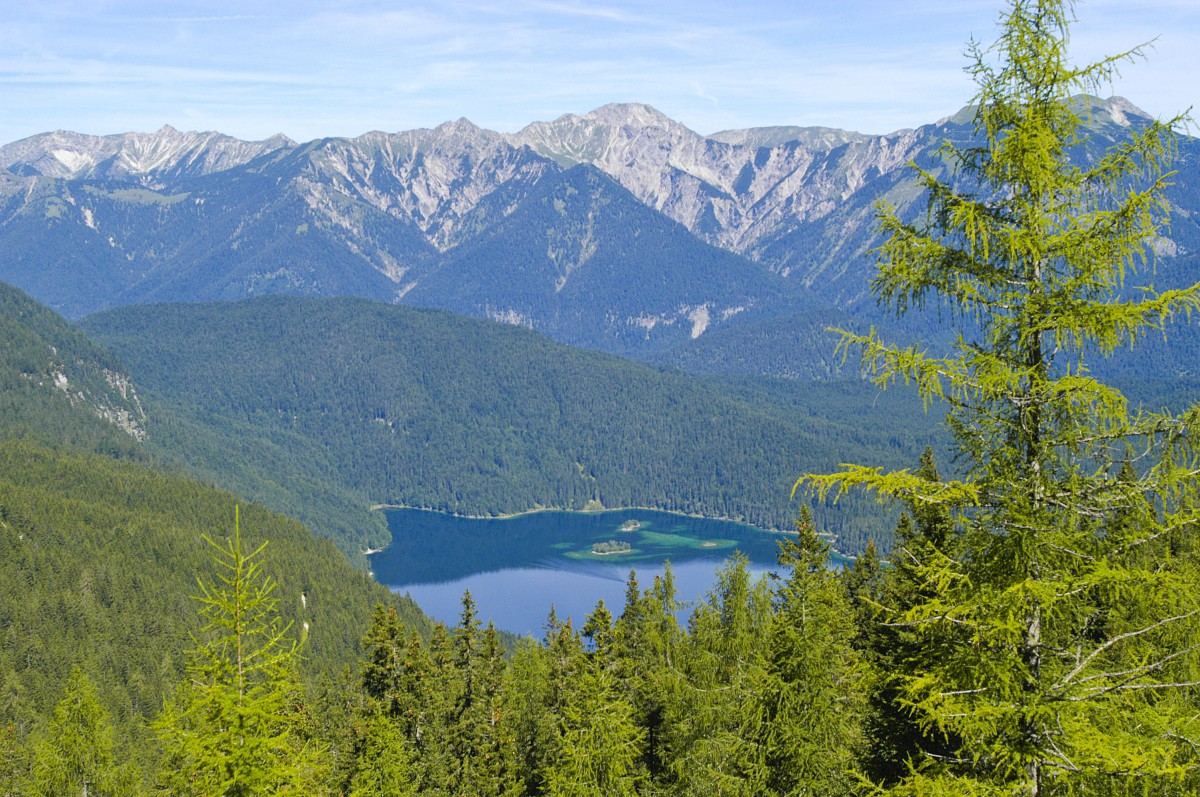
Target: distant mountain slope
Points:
(797, 346)
(454, 217)
(498, 225)
(162, 154)
(741, 190)
(419, 407)
(584, 262)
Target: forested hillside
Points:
(58, 387)
(100, 560)
(348, 403)
(100, 549)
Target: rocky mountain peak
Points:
(796, 199)
(461, 123)
(433, 178)
(463, 127)
(69, 155)
(731, 189)
(632, 114)
(1114, 110)
(617, 130)
(279, 141)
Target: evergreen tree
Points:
(384, 769)
(864, 584)
(531, 713)
(14, 763)
(76, 754)
(803, 731)
(897, 742)
(234, 728)
(647, 650)
(484, 758)
(1042, 688)
(598, 631)
(343, 713)
(386, 667)
(432, 690)
(722, 666)
(600, 742)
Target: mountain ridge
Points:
(176, 216)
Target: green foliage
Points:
(803, 731)
(600, 745)
(897, 742)
(57, 387)
(350, 402)
(97, 558)
(236, 729)
(531, 702)
(383, 766)
(442, 706)
(76, 752)
(1054, 646)
(761, 694)
(722, 666)
(14, 763)
(611, 546)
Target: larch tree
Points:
(234, 728)
(1072, 665)
(600, 742)
(896, 738)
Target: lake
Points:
(516, 568)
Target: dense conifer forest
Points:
(331, 405)
(101, 547)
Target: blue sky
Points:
(309, 69)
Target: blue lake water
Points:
(517, 568)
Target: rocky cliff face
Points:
(736, 189)
(45, 362)
(431, 178)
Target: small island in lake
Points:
(610, 547)
(631, 525)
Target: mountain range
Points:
(620, 230)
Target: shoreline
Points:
(541, 509)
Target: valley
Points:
(334, 405)
(354, 466)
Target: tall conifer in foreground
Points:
(234, 728)
(1072, 667)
